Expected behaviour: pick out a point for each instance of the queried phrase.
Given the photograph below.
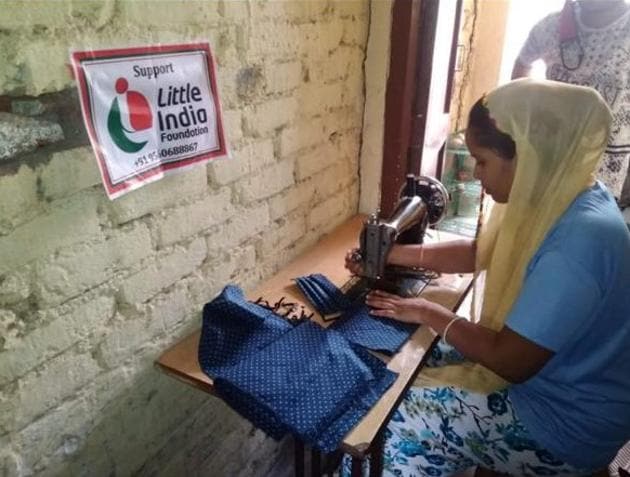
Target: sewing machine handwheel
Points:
(433, 193)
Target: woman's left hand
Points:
(410, 310)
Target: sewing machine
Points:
(423, 202)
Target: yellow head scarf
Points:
(560, 133)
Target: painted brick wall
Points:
(92, 291)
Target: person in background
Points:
(542, 386)
(588, 44)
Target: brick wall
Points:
(92, 291)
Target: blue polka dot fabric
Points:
(304, 379)
(373, 332)
(355, 324)
(234, 330)
(325, 297)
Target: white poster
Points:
(149, 111)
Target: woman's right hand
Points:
(353, 261)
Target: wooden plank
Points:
(327, 257)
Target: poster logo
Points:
(149, 111)
(140, 118)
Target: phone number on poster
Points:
(183, 149)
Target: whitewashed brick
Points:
(125, 339)
(132, 336)
(88, 320)
(226, 171)
(316, 99)
(345, 8)
(302, 135)
(10, 328)
(314, 161)
(227, 46)
(265, 42)
(68, 172)
(44, 76)
(69, 222)
(271, 115)
(328, 214)
(329, 37)
(343, 120)
(162, 273)
(335, 178)
(294, 12)
(159, 195)
(173, 12)
(232, 123)
(169, 310)
(83, 266)
(355, 32)
(336, 65)
(294, 197)
(10, 462)
(18, 198)
(251, 157)
(267, 182)
(281, 236)
(354, 58)
(42, 389)
(283, 77)
(76, 419)
(245, 224)
(189, 220)
(18, 15)
(15, 287)
(237, 263)
(348, 146)
(237, 11)
(226, 78)
(154, 395)
(352, 96)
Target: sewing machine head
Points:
(423, 202)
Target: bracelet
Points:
(448, 327)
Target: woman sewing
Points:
(542, 386)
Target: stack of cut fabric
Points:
(304, 380)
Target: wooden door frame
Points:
(414, 24)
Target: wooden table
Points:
(327, 257)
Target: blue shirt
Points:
(575, 301)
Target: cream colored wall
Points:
(482, 34)
(376, 74)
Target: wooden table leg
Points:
(357, 467)
(316, 463)
(376, 456)
(298, 457)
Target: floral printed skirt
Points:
(440, 431)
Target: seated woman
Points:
(544, 388)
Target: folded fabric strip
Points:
(323, 294)
(355, 324)
(305, 380)
(373, 332)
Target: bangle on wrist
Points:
(448, 327)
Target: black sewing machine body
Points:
(423, 202)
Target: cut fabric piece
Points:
(372, 332)
(355, 324)
(323, 294)
(234, 330)
(302, 379)
(312, 381)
